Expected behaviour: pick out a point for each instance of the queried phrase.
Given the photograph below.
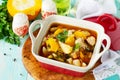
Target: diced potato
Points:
(84, 64)
(52, 45)
(76, 62)
(70, 40)
(74, 55)
(66, 48)
(58, 31)
(91, 40)
(81, 34)
(70, 60)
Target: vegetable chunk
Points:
(91, 40)
(81, 34)
(58, 31)
(66, 48)
(52, 45)
(70, 40)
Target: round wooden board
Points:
(39, 73)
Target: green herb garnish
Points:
(6, 32)
(62, 36)
(76, 47)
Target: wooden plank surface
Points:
(11, 66)
(39, 73)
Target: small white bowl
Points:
(60, 66)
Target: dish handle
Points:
(32, 27)
(105, 48)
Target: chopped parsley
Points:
(6, 32)
(76, 47)
(62, 36)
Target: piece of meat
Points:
(91, 40)
(81, 42)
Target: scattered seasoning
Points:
(14, 59)
(21, 74)
(5, 54)
(10, 48)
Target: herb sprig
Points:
(6, 32)
(62, 36)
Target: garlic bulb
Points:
(48, 8)
(20, 24)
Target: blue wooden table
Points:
(11, 66)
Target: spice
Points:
(5, 54)
(14, 59)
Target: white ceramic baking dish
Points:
(60, 66)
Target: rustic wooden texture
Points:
(39, 73)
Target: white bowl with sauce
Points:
(62, 67)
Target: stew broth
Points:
(69, 44)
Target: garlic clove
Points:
(20, 24)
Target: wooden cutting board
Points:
(39, 73)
